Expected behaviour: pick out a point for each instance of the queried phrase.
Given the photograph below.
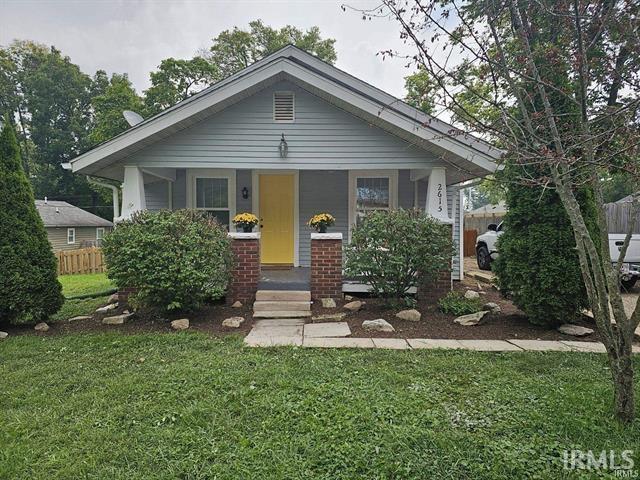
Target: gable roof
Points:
(466, 152)
(63, 214)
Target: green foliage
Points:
(84, 284)
(176, 80)
(392, 250)
(420, 91)
(235, 49)
(30, 290)
(198, 406)
(108, 103)
(538, 264)
(454, 303)
(176, 259)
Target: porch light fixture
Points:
(283, 148)
(245, 193)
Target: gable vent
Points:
(283, 107)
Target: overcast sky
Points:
(134, 36)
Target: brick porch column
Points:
(430, 292)
(245, 273)
(326, 265)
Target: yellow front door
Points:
(276, 219)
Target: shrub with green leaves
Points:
(395, 250)
(28, 278)
(538, 264)
(176, 260)
(454, 303)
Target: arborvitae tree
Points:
(538, 264)
(28, 282)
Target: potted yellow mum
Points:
(246, 221)
(321, 221)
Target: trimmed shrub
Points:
(538, 264)
(29, 286)
(177, 260)
(395, 250)
(454, 303)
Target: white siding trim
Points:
(392, 175)
(461, 230)
(255, 204)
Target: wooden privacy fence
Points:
(82, 260)
(619, 217)
(470, 237)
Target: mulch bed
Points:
(509, 324)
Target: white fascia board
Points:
(257, 75)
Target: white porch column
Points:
(436, 205)
(133, 198)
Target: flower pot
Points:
(247, 228)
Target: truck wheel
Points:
(483, 258)
(627, 285)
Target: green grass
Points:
(75, 285)
(188, 406)
(74, 308)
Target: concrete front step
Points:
(284, 314)
(283, 296)
(262, 306)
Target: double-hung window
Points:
(99, 235)
(212, 194)
(371, 191)
(71, 236)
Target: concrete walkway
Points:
(294, 332)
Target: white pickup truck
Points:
(486, 251)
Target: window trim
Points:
(226, 174)
(103, 232)
(70, 230)
(354, 175)
(293, 106)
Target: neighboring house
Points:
(70, 227)
(288, 137)
(480, 218)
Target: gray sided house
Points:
(286, 138)
(70, 227)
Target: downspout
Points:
(116, 196)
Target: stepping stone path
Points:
(330, 329)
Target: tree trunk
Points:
(623, 394)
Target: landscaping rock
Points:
(411, 315)
(574, 330)
(348, 298)
(113, 298)
(471, 294)
(353, 306)
(116, 319)
(379, 325)
(329, 317)
(471, 319)
(3, 335)
(107, 308)
(491, 307)
(80, 318)
(328, 303)
(180, 324)
(237, 304)
(41, 327)
(232, 322)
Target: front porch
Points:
(284, 200)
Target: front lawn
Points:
(85, 284)
(190, 406)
